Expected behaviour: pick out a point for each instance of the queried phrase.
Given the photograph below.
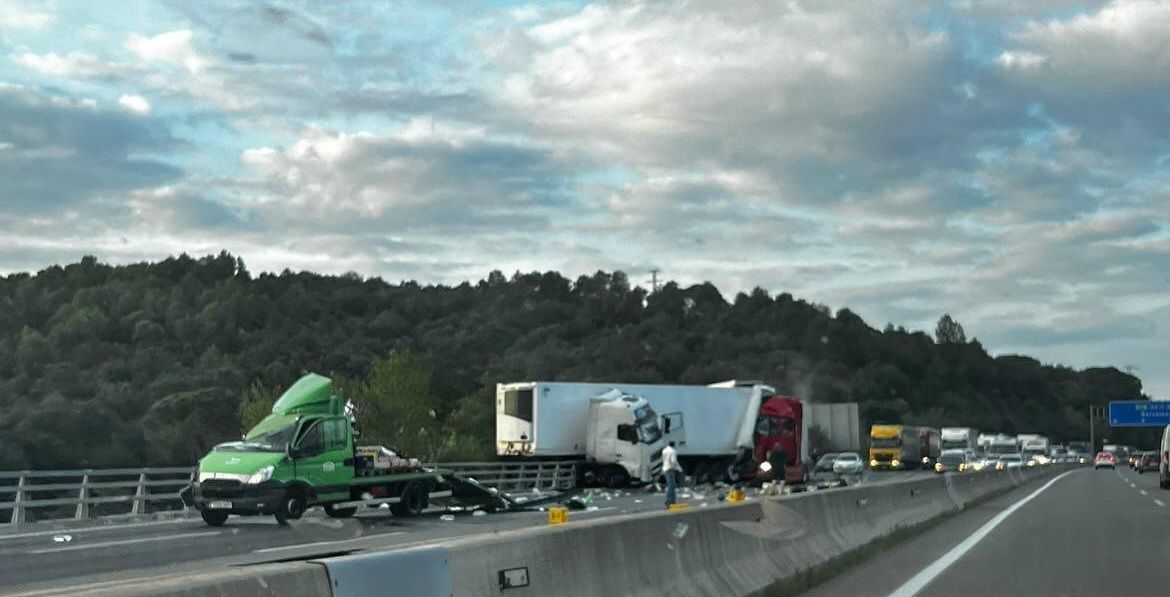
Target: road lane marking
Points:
(324, 543)
(1143, 492)
(112, 527)
(122, 542)
(1160, 503)
(920, 580)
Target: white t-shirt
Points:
(670, 459)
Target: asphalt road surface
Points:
(47, 559)
(1085, 533)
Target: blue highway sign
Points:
(1139, 413)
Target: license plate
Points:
(219, 505)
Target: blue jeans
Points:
(671, 483)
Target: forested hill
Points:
(148, 363)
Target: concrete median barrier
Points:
(268, 580)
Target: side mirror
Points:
(292, 452)
(666, 424)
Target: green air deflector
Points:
(310, 394)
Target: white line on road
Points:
(920, 580)
(112, 527)
(1160, 503)
(323, 543)
(1143, 492)
(1133, 485)
(122, 542)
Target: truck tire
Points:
(414, 500)
(291, 507)
(214, 518)
(616, 476)
(335, 512)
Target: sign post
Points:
(1139, 413)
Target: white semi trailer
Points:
(711, 425)
(959, 438)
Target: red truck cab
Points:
(778, 439)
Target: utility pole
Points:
(654, 280)
(1095, 412)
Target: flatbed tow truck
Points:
(303, 455)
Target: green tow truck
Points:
(303, 455)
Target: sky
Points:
(998, 160)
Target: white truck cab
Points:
(626, 434)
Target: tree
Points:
(396, 408)
(255, 405)
(949, 331)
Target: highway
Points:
(1085, 533)
(50, 561)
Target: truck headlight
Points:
(766, 466)
(925, 460)
(895, 463)
(261, 475)
(873, 463)
(938, 467)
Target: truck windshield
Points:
(648, 429)
(885, 442)
(955, 444)
(271, 435)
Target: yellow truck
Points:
(902, 447)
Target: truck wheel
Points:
(414, 500)
(616, 476)
(335, 512)
(214, 518)
(291, 507)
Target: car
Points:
(848, 463)
(1104, 459)
(1131, 459)
(825, 463)
(1009, 461)
(1148, 461)
(1164, 459)
(951, 460)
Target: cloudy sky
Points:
(1000, 160)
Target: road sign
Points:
(1139, 413)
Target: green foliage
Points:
(949, 331)
(153, 363)
(255, 405)
(396, 407)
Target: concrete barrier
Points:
(268, 580)
(724, 550)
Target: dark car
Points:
(1148, 461)
(824, 464)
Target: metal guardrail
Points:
(516, 476)
(27, 496)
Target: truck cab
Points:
(625, 438)
(778, 442)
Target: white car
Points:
(1009, 461)
(848, 463)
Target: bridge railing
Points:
(28, 496)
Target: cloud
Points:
(432, 176)
(172, 47)
(19, 17)
(1021, 60)
(135, 104)
(62, 152)
(73, 64)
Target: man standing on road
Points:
(672, 470)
